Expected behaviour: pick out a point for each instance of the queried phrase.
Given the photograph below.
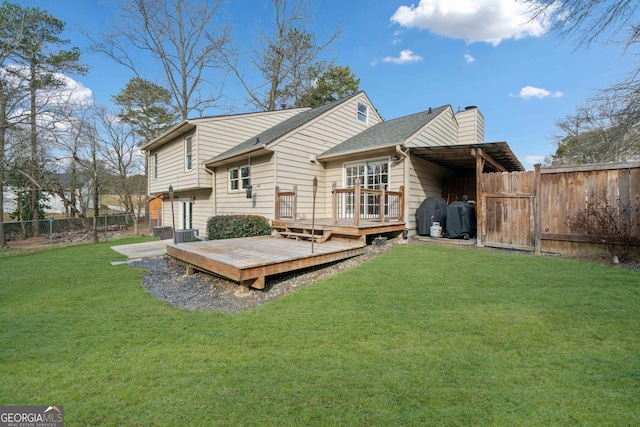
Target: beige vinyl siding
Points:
(236, 202)
(425, 180)
(441, 131)
(220, 134)
(334, 173)
(293, 165)
(202, 209)
(171, 169)
(213, 135)
(470, 126)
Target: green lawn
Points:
(420, 335)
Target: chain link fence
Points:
(56, 226)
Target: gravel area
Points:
(168, 281)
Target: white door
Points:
(372, 175)
(186, 215)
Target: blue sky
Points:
(410, 57)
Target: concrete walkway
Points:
(142, 250)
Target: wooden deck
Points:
(250, 260)
(343, 230)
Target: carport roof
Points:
(460, 157)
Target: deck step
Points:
(318, 238)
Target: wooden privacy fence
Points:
(532, 210)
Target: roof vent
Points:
(430, 111)
(471, 107)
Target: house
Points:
(265, 164)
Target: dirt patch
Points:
(71, 235)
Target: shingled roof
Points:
(278, 131)
(386, 133)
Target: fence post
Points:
(50, 233)
(334, 202)
(537, 232)
(480, 214)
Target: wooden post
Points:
(537, 221)
(277, 215)
(313, 212)
(382, 203)
(480, 214)
(401, 213)
(334, 202)
(356, 204)
(294, 202)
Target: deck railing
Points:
(374, 205)
(286, 204)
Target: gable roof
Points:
(387, 133)
(188, 125)
(271, 135)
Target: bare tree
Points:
(286, 57)
(182, 36)
(124, 161)
(586, 21)
(603, 129)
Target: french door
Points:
(186, 215)
(372, 175)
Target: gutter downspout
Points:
(405, 166)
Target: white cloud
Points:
(489, 21)
(79, 91)
(406, 56)
(529, 92)
(534, 159)
(469, 58)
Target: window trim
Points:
(362, 116)
(188, 153)
(242, 182)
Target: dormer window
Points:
(363, 112)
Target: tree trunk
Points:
(96, 195)
(3, 133)
(33, 205)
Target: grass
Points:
(420, 335)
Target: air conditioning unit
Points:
(186, 235)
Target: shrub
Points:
(611, 225)
(233, 226)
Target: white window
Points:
(155, 165)
(186, 215)
(188, 149)
(363, 112)
(239, 178)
